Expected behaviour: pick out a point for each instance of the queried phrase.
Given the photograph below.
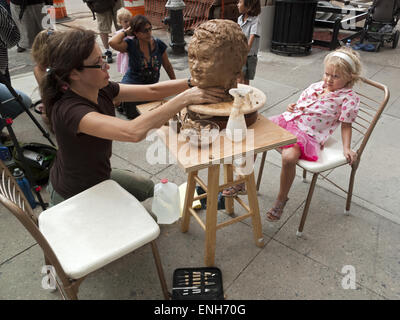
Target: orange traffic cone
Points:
(135, 6)
(61, 11)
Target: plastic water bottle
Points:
(25, 186)
(166, 202)
(348, 43)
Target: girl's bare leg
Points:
(288, 172)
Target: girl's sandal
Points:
(274, 214)
(235, 190)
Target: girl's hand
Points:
(196, 95)
(290, 107)
(350, 155)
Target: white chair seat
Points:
(119, 225)
(331, 156)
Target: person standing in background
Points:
(6, 5)
(106, 14)
(28, 15)
(9, 37)
(251, 26)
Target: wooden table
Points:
(262, 136)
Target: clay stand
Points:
(269, 136)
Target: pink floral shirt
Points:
(320, 116)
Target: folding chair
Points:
(332, 157)
(86, 232)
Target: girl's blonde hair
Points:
(353, 73)
(39, 47)
(123, 13)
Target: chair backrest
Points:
(384, 10)
(13, 198)
(369, 112)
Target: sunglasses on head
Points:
(146, 30)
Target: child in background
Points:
(318, 112)
(251, 27)
(123, 16)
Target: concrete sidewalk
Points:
(311, 267)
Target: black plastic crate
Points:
(197, 284)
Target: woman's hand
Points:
(350, 155)
(128, 31)
(196, 95)
(290, 107)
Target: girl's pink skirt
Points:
(309, 147)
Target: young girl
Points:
(318, 112)
(146, 55)
(123, 16)
(251, 27)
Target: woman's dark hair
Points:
(253, 6)
(138, 23)
(66, 51)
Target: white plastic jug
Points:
(166, 202)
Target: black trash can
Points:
(293, 26)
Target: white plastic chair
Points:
(332, 157)
(86, 232)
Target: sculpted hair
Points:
(67, 51)
(343, 67)
(216, 37)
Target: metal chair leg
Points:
(304, 175)
(260, 172)
(350, 191)
(160, 270)
(307, 205)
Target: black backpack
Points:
(100, 6)
(39, 157)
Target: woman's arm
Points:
(168, 66)
(151, 92)
(117, 41)
(350, 155)
(112, 128)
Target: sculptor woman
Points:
(79, 95)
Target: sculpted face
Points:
(217, 53)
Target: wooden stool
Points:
(212, 189)
(265, 135)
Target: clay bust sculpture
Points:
(217, 53)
